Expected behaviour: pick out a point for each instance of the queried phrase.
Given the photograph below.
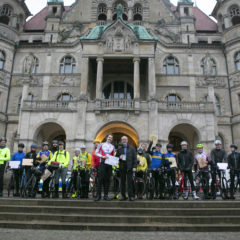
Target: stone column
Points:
(151, 78)
(109, 14)
(84, 76)
(99, 78)
(130, 15)
(136, 78)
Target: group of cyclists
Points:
(149, 172)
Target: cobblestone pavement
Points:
(15, 234)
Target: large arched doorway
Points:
(184, 132)
(118, 130)
(48, 132)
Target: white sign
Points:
(222, 166)
(111, 160)
(14, 164)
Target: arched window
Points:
(2, 60)
(102, 14)
(213, 67)
(5, 14)
(170, 66)
(68, 65)
(125, 17)
(102, 8)
(30, 97)
(64, 97)
(218, 105)
(118, 90)
(237, 61)
(137, 13)
(35, 66)
(235, 15)
(172, 98)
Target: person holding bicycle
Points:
(234, 166)
(18, 156)
(185, 164)
(218, 155)
(170, 160)
(43, 158)
(201, 164)
(141, 170)
(62, 159)
(5, 156)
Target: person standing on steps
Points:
(103, 151)
(63, 158)
(127, 165)
(5, 156)
(54, 146)
(185, 164)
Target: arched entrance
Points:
(48, 132)
(184, 132)
(118, 130)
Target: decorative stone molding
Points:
(215, 81)
(235, 80)
(65, 81)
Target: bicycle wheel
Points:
(23, 193)
(69, 191)
(167, 189)
(11, 185)
(203, 186)
(150, 189)
(224, 188)
(79, 186)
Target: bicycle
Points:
(150, 185)
(224, 185)
(180, 189)
(93, 182)
(202, 182)
(167, 184)
(12, 183)
(116, 183)
(138, 181)
(23, 183)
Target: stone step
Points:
(55, 225)
(119, 204)
(120, 211)
(119, 219)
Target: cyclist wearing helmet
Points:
(234, 166)
(44, 157)
(76, 165)
(54, 146)
(141, 170)
(5, 156)
(170, 160)
(218, 155)
(201, 163)
(185, 163)
(18, 156)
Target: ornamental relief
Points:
(19, 81)
(235, 80)
(219, 82)
(65, 81)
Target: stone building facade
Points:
(142, 68)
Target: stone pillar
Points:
(46, 79)
(84, 76)
(136, 78)
(99, 78)
(151, 78)
(130, 15)
(25, 91)
(109, 14)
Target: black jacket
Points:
(131, 157)
(32, 155)
(218, 156)
(185, 160)
(234, 161)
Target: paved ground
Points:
(9, 234)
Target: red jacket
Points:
(95, 160)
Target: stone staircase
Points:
(188, 216)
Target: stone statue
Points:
(208, 64)
(119, 11)
(28, 64)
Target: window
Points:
(2, 60)
(237, 61)
(68, 65)
(35, 66)
(172, 98)
(5, 14)
(102, 8)
(186, 11)
(64, 97)
(218, 105)
(235, 15)
(102, 14)
(118, 90)
(137, 13)
(19, 104)
(211, 65)
(170, 66)
(30, 97)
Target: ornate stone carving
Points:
(70, 81)
(208, 64)
(28, 64)
(3, 77)
(213, 81)
(235, 80)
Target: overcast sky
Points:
(36, 5)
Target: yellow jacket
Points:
(142, 166)
(4, 155)
(87, 158)
(80, 161)
(61, 156)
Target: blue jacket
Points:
(17, 156)
(157, 159)
(167, 156)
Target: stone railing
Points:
(115, 104)
(186, 106)
(48, 105)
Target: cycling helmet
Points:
(3, 139)
(184, 143)
(169, 145)
(234, 146)
(60, 143)
(140, 150)
(21, 145)
(34, 146)
(83, 146)
(199, 146)
(54, 142)
(218, 142)
(77, 150)
(45, 143)
(158, 144)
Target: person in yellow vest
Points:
(4, 157)
(63, 158)
(85, 157)
(77, 164)
(141, 171)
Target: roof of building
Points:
(203, 22)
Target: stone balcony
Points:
(49, 106)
